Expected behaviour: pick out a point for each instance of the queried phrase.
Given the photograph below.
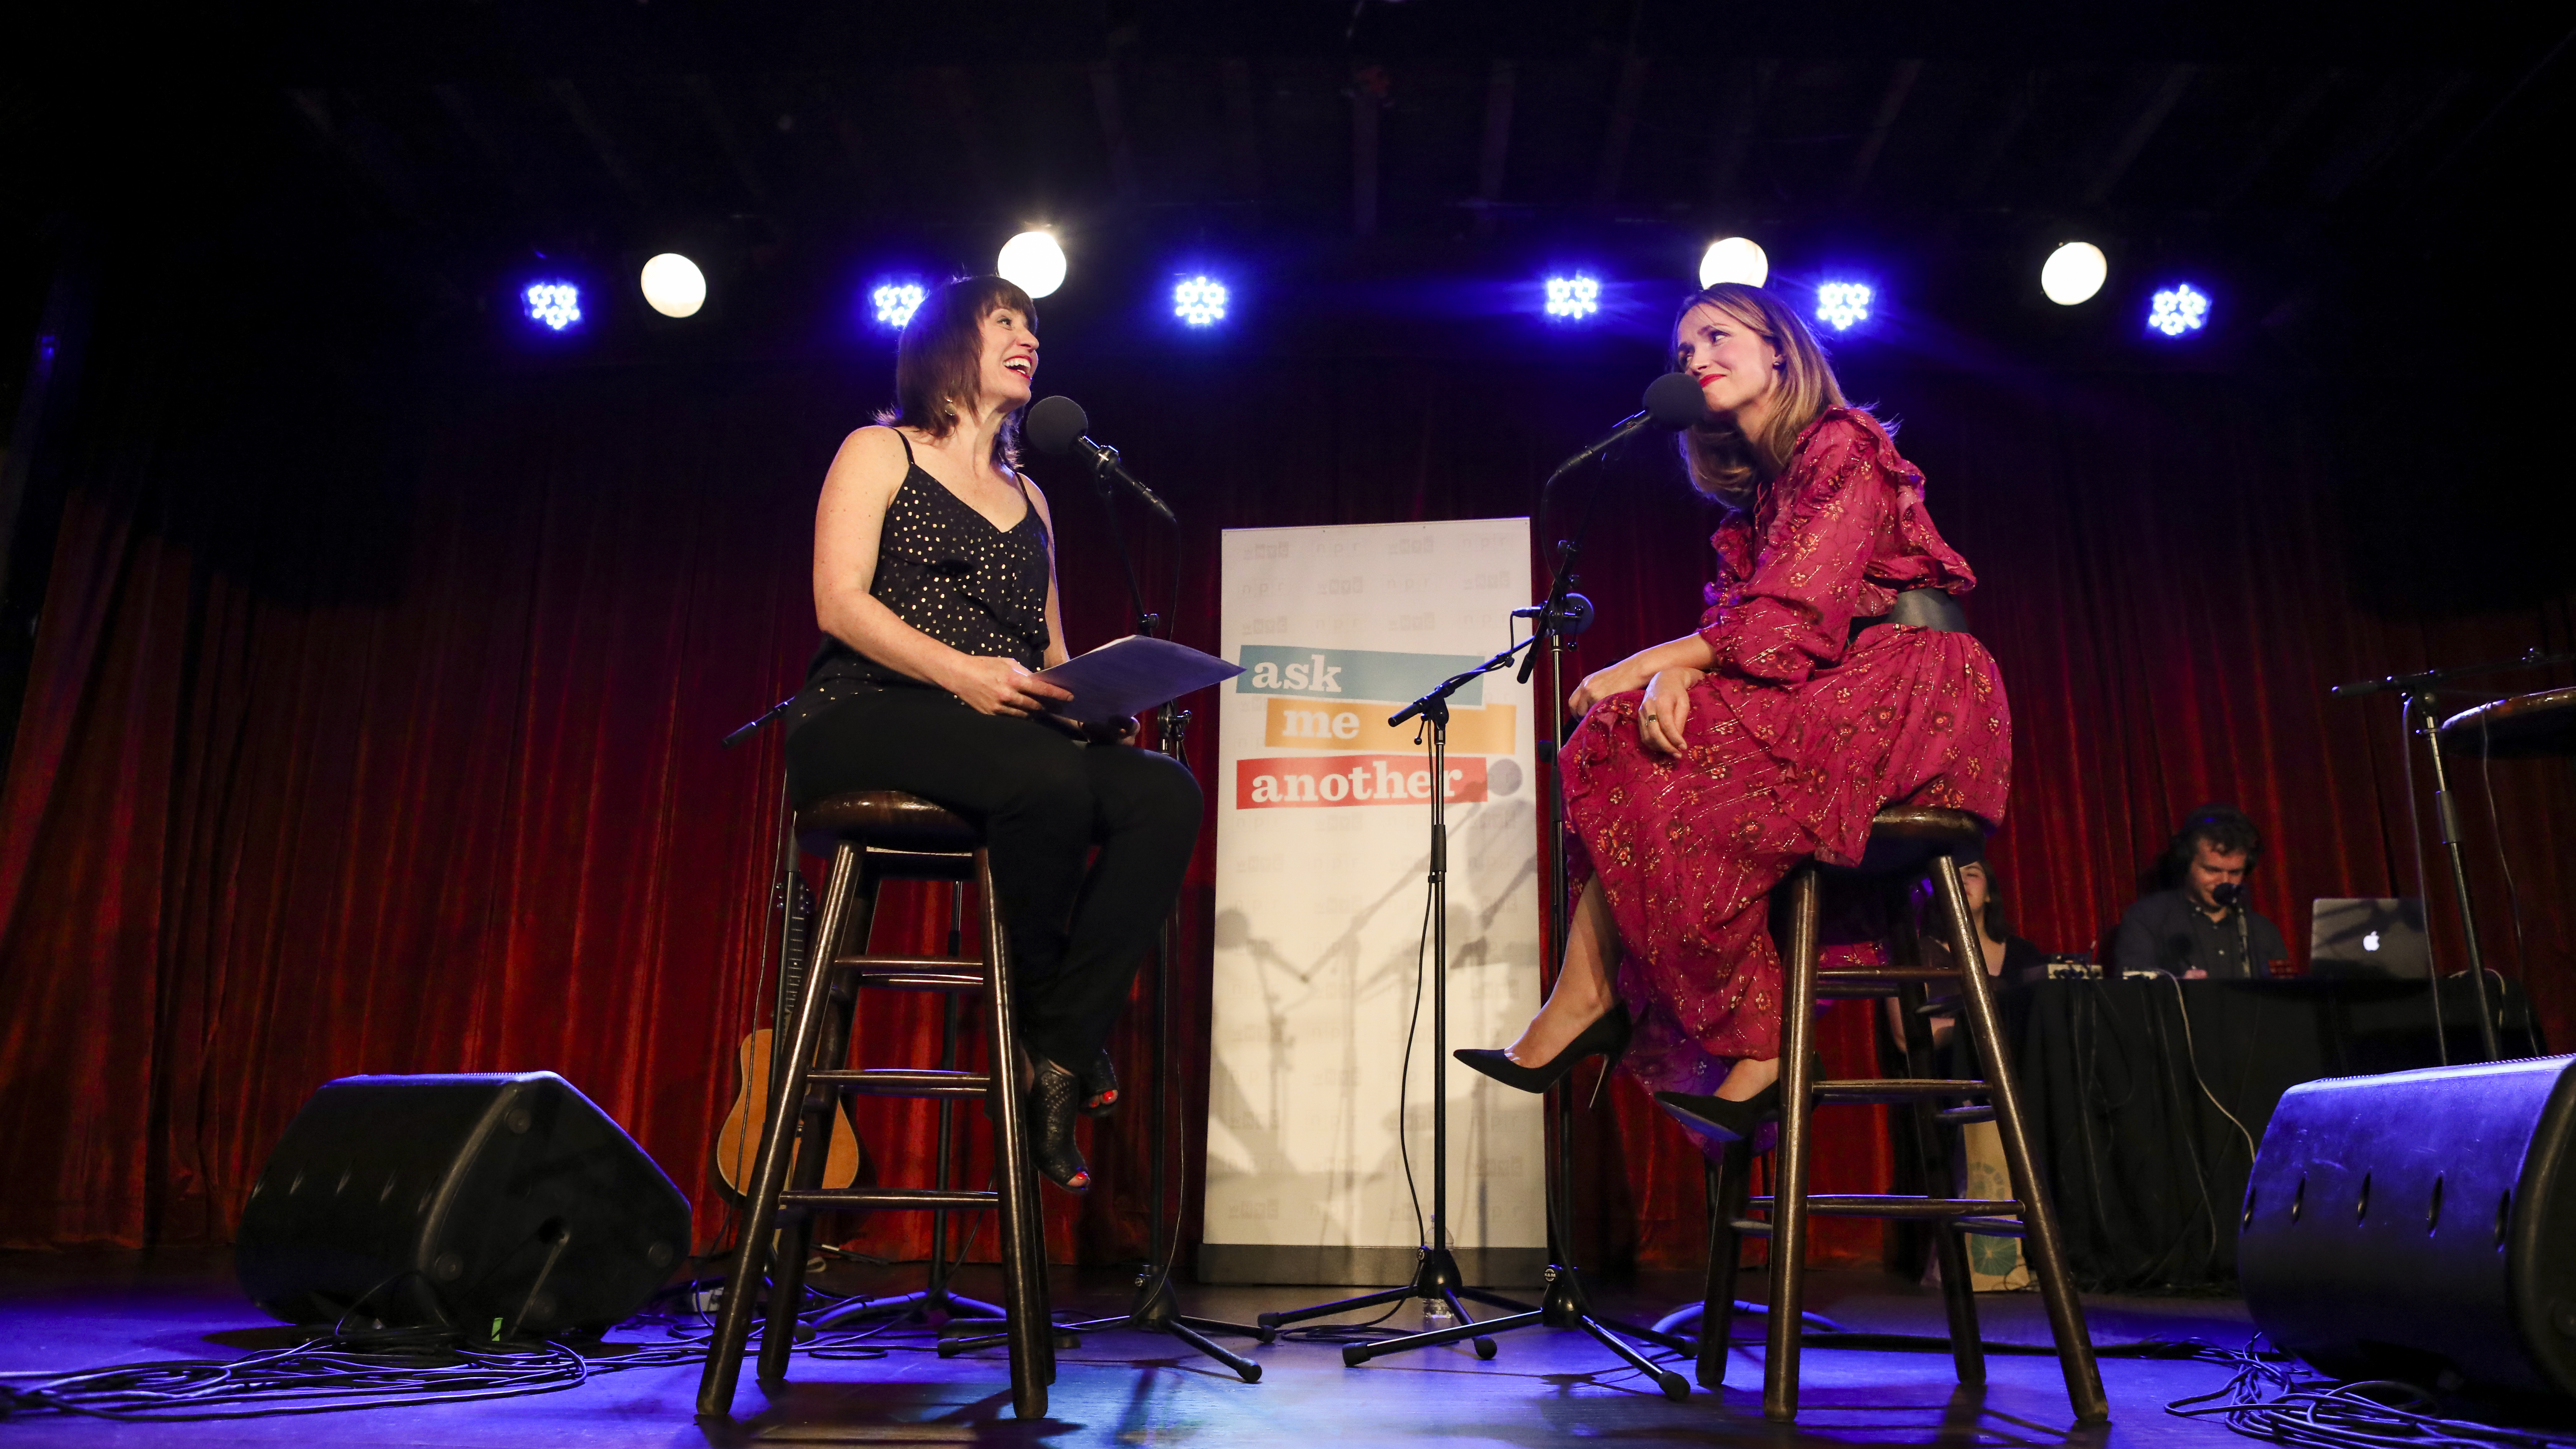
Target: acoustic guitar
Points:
(738, 1137)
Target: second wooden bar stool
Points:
(1904, 842)
(871, 837)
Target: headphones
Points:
(2222, 825)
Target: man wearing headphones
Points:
(2201, 926)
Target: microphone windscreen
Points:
(1673, 401)
(1053, 423)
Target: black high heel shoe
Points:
(1100, 1086)
(1607, 1036)
(1055, 1101)
(1722, 1119)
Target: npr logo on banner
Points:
(1328, 780)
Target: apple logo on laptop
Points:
(2370, 942)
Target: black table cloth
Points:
(2145, 1166)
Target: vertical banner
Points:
(1323, 854)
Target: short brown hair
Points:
(1723, 462)
(2223, 828)
(940, 359)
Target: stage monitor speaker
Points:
(2421, 1226)
(492, 1203)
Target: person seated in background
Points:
(2007, 956)
(2200, 925)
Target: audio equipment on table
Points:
(493, 1204)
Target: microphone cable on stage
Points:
(2270, 1399)
(2148, 1273)
(2512, 895)
(1358, 1332)
(2191, 1055)
(376, 1368)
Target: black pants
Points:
(1077, 937)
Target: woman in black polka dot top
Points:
(934, 583)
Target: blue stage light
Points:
(2178, 309)
(896, 302)
(1200, 301)
(1571, 299)
(553, 305)
(1843, 305)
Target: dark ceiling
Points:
(445, 141)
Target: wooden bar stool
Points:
(1902, 841)
(873, 837)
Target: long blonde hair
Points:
(1724, 463)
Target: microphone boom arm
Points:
(1104, 466)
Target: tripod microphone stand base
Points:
(1435, 1279)
(957, 1310)
(1564, 1306)
(1154, 1310)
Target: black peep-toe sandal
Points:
(1100, 1086)
(1055, 1103)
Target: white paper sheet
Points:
(1128, 676)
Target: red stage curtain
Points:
(373, 723)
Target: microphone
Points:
(2227, 896)
(1672, 402)
(1573, 616)
(1057, 425)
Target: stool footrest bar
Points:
(1990, 1227)
(1892, 974)
(1896, 1205)
(888, 1198)
(1895, 1089)
(910, 963)
(904, 1082)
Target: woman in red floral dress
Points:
(1708, 768)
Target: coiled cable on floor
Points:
(2268, 1398)
(391, 1368)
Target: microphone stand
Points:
(1436, 1278)
(1564, 1304)
(1152, 1308)
(2416, 717)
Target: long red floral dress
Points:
(1796, 737)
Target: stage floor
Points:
(68, 1311)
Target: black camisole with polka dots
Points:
(946, 570)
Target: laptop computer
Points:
(2368, 938)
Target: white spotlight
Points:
(673, 285)
(555, 304)
(2073, 273)
(1843, 305)
(2179, 309)
(896, 302)
(1200, 301)
(1571, 299)
(1734, 259)
(1033, 261)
